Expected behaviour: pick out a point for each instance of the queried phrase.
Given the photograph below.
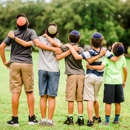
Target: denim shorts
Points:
(48, 83)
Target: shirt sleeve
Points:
(108, 54)
(64, 48)
(86, 55)
(33, 35)
(8, 41)
(124, 62)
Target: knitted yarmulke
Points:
(119, 51)
(52, 29)
(75, 32)
(97, 35)
(21, 21)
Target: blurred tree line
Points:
(110, 17)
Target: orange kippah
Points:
(21, 21)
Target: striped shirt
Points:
(91, 53)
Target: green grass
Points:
(61, 105)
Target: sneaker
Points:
(90, 123)
(32, 120)
(98, 120)
(50, 123)
(43, 123)
(115, 122)
(69, 121)
(80, 121)
(13, 121)
(105, 123)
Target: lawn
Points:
(61, 105)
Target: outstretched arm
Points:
(79, 57)
(125, 76)
(36, 42)
(51, 40)
(20, 41)
(115, 58)
(74, 53)
(96, 67)
(62, 55)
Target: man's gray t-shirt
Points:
(47, 60)
(73, 66)
(20, 53)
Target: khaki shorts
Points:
(21, 74)
(91, 89)
(74, 87)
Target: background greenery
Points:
(61, 105)
(110, 17)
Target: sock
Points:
(116, 117)
(50, 121)
(107, 118)
(80, 116)
(44, 119)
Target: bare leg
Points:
(96, 109)
(30, 101)
(80, 107)
(90, 109)
(15, 103)
(70, 107)
(108, 109)
(51, 107)
(43, 104)
(117, 108)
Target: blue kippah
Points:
(120, 50)
(75, 32)
(97, 35)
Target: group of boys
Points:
(79, 86)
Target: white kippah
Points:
(52, 29)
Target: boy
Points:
(93, 79)
(113, 84)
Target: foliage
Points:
(109, 17)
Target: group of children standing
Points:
(80, 85)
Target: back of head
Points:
(52, 30)
(118, 49)
(74, 36)
(97, 39)
(22, 21)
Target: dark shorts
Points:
(48, 83)
(113, 93)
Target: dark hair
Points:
(24, 27)
(118, 49)
(96, 42)
(74, 38)
(52, 35)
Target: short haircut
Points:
(52, 30)
(74, 36)
(24, 27)
(97, 39)
(118, 49)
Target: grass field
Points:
(61, 106)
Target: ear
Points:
(68, 39)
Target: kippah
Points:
(21, 21)
(120, 50)
(75, 32)
(97, 35)
(52, 29)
